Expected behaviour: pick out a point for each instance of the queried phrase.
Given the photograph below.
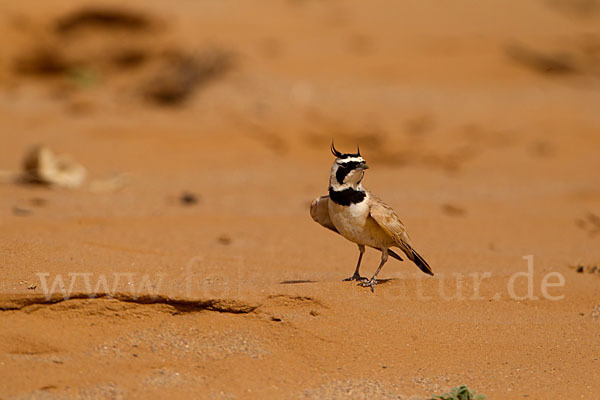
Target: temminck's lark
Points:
(361, 217)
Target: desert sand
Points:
(200, 273)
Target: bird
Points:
(361, 217)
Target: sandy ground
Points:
(481, 124)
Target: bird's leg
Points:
(373, 281)
(356, 276)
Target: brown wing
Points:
(388, 220)
(319, 211)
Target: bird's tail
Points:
(418, 260)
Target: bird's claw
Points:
(369, 283)
(356, 277)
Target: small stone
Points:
(21, 211)
(38, 201)
(224, 240)
(453, 210)
(188, 199)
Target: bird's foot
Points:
(356, 277)
(369, 283)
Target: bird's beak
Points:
(364, 166)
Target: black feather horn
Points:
(358, 150)
(334, 151)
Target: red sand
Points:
(481, 127)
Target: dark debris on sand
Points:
(181, 74)
(100, 45)
(106, 18)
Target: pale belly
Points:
(353, 222)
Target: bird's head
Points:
(347, 170)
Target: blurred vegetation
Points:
(460, 393)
